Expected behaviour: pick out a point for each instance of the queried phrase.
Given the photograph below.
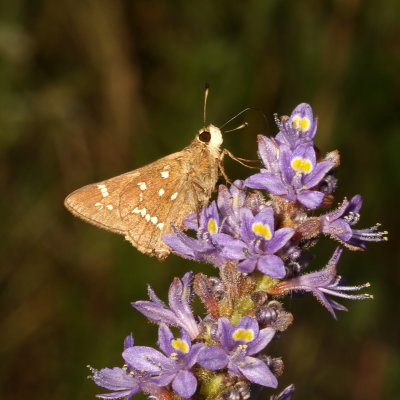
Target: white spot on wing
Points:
(109, 206)
(147, 217)
(103, 190)
(141, 196)
(174, 196)
(161, 192)
(143, 212)
(165, 174)
(160, 225)
(154, 220)
(136, 210)
(142, 185)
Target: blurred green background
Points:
(95, 88)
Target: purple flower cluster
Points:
(151, 371)
(257, 232)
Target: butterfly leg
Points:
(226, 152)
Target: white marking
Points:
(166, 167)
(143, 211)
(160, 225)
(136, 210)
(164, 174)
(142, 185)
(154, 220)
(147, 217)
(141, 196)
(174, 196)
(99, 205)
(109, 207)
(161, 192)
(103, 190)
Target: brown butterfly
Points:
(142, 204)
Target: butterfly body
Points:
(143, 204)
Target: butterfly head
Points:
(210, 136)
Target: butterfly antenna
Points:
(207, 88)
(241, 126)
(242, 112)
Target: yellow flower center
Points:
(212, 226)
(181, 345)
(246, 335)
(302, 165)
(262, 230)
(301, 123)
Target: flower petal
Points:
(248, 323)
(225, 329)
(256, 371)
(126, 394)
(231, 248)
(266, 181)
(272, 266)
(164, 339)
(193, 355)
(128, 342)
(156, 313)
(185, 384)
(147, 359)
(268, 152)
(115, 379)
(310, 198)
(266, 217)
(213, 358)
(264, 337)
(247, 266)
(319, 171)
(178, 302)
(281, 237)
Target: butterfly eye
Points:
(205, 136)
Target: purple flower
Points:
(298, 173)
(179, 312)
(286, 393)
(338, 224)
(203, 248)
(299, 128)
(237, 344)
(321, 284)
(172, 367)
(258, 243)
(123, 382)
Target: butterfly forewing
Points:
(157, 198)
(141, 204)
(99, 203)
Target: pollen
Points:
(301, 123)
(262, 230)
(301, 165)
(246, 335)
(212, 226)
(181, 345)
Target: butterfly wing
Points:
(98, 203)
(141, 204)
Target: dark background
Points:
(90, 89)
